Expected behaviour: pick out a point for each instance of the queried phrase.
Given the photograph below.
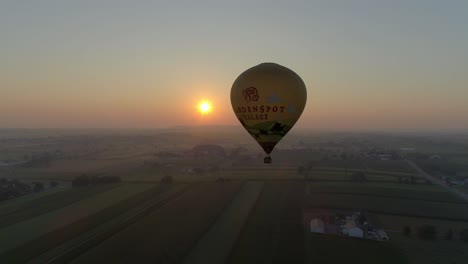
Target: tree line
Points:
(87, 180)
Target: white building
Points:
(355, 232)
(351, 229)
(317, 226)
(382, 234)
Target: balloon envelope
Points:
(268, 99)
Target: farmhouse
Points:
(351, 229)
(354, 232)
(382, 234)
(343, 223)
(317, 226)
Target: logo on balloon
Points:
(250, 94)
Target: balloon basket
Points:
(267, 159)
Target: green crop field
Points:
(389, 165)
(22, 232)
(11, 205)
(442, 210)
(20, 211)
(463, 188)
(396, 202)
(290, 229)
(392, 190)
(216, 244)
(252, 222)
(273, 232)
(74, 229)
(334, 249)
(435, 251)
(256, 242)
(167, 234)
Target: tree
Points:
(300, 170)
(358, 177)
(449, 235)
(464, 235)
(198, 170)
(407, 231)
(220, 179)
(427, 232)
(38, 186)
(167, 179)
(214, 169)
(82, 180)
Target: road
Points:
(434, 180)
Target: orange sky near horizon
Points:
(367, 66)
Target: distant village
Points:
(353, 152)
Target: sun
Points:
(204, 107)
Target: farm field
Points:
(334, 249)
(257, 241)
(290, 232)
(394, 190)
(68, 169)
(12, 205)
(216, 244)
(47, 201)
(393, 205)
(442, 210)
(436, 251)
(167, 234)
(72, 240)
(393, 166)
(389, 165)
(274, 231)
(335, 174)
(22, 232)
(365, 170)
(255, 222)
(462, 188)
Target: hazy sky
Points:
(368, 65)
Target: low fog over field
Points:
(72, 195)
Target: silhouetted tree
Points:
(198, 170)
(82, 180)
(427, 232)
(38, 186)
(167, 179)
(464, 235)
(407, 231)
(449, 235)
(213, 169)
(358, 177)
(300, 170)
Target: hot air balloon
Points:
(268, 99)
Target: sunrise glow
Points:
(204, 107)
